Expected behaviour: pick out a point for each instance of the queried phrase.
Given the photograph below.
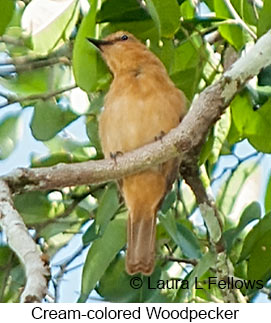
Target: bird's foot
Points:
(160, 136)
(115, 155)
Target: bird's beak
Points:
(99, 43)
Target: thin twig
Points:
(238, 19)
(32, 65)
(192, 262)
(63, 269)
(42, 96)
(12, 40)
(42, 63)
(63, 51)
(232, 169)
(255, 9)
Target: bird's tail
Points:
(142, 193)
(141, 242)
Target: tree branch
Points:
(25, 248)
(184, 141)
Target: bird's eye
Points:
(124, 37)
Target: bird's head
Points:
(122, 51)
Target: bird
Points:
(141, 105)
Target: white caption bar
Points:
(106, 312)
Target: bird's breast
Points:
(137, 109)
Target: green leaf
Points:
(50, 160)
(187, 54)
(253, 125)
(67, 225)
(188, 9)
(166, 15)
(255, 235)
(8, 264)
(49, 22)
(267, 200)
(63, 150)
(259, 264)
(16, 281)
(127, 10)
(181, 235)
(141, 29)
(264, 77)
(221, 130)
(101, 253)
(247, 11)
(96, 102)
(234, 34)
(188, 80)
(211, 63)
(108, 205)
(251, 212)
(91, 234)
(165, 51)
(63, 144)
(88, 66)
(188, 242)
(264, 22)
(208, 260)
(10, 133)
(231, 189)
(243, 8)
(210, 4)
(233, 135)
(211, 222)
(16, 17)
(168, 202)
(261, 94)
(188, 204)
(48, 119)
(207, 148)
(92, 127)
(34, 207)
(216, 143)
(115, 286)
(5, 254)
(38, 81)
(7, 9)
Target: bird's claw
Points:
(115, 155)
(160, 136)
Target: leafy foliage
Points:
(56, 119)
(44, 52)
(8, 8)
